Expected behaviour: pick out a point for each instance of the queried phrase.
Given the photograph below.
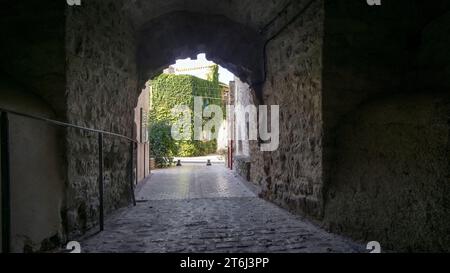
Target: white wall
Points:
(37, 183)
(243, 97)
(143, 147)
(222, 137)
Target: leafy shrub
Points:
(162, 147)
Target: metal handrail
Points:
(64, 124)
(5, 168)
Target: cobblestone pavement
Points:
(193, 181)
(207, 209)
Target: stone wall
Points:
(386, 123)
(102, 93)
(363, 95)
(433, 60)
(292, 175)
(183, 35)
(390, 181)
(242, 166)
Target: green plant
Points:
(162, 147)
(169, 91)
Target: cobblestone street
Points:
(195, 208)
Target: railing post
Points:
(145, 160)
(5, 187)
(100, 180)
(137, 163)
(131, 173)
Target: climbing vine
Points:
(169, 91)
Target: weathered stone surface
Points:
(292, 175)
(333, 72)
(184, 34)
(219, 216)
(192, 181)
(433, 62)
(390, 181)
(103, 64)
(242, 166)
(101, 93)
(245, 12)
(385, 155)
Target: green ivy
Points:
(162, 147)
(170, 90)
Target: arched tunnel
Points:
(233, 45)
(364, 96)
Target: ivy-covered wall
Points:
(169, 91)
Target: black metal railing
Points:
(6, 177)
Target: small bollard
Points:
(178, 163)
(208, 163)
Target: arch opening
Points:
(181, 35)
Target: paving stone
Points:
(231, 219)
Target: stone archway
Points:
(180, 35)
